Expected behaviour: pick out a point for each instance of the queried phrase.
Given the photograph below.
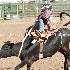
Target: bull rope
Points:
(23, 41)
(61, 37)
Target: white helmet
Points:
(49, 6)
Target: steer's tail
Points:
(66, 24)
(62, 14)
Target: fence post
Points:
(22, 8)
(36, 9)
(3, 11)
(17, 9)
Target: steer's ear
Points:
(11, 45)
(7, 45)
(7, 42)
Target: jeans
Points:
(41, 25)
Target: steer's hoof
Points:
(16, 68)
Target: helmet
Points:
(48, 6)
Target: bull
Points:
(58, 41)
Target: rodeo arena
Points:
(34, 34)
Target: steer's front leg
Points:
(28, 66)
(21, 65)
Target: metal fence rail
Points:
(60, 7)
(21, 10)
(11, 10)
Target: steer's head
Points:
(6, 50)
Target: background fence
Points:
(21, 10)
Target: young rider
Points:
(43, 19)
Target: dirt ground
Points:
(13, 30)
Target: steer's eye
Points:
(6, 47)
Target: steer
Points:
(30, 52)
